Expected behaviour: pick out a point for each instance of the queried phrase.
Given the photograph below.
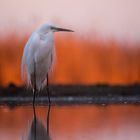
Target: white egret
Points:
(37, 60)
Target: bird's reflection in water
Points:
(40, 133)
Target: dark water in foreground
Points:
(117, 122)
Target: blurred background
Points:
(104, 49)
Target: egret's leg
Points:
(34, 94)
(34, 112)
(49, 106)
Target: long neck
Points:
(48, 37)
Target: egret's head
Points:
(44, 29)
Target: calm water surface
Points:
(117, 122)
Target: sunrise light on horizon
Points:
(105, 44)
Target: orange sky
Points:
(79, 61)
(105, 47)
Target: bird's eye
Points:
(51, 28)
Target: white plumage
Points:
(39, 55)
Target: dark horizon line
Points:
(94, 84)
(72, 95)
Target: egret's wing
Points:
(28, 56)
(44, 59)
(38, 58)
(23, 62)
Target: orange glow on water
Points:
(79, 61)
(74, 122)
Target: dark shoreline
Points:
(72, 95)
